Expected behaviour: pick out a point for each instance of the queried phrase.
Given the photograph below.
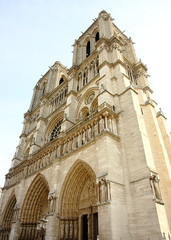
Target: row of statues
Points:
(86, 134)
(98, 126)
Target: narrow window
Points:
(84, 79)
(88, 49)
(97, 37)
(61, 81)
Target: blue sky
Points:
(36, 33)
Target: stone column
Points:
(95, 128)
(15, 231)
(51, 226)
(15, 227)
(106, 122)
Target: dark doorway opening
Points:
(95, 225)
(61, 81)
(85, 227)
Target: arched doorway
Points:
(35, 207)
(7, 219)
(78, 208)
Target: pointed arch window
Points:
(61, 80)
(56, 130)
(97, 37)
(88, 49)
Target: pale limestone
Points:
(93, 142)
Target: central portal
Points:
(78, 214)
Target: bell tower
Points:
(94, 156)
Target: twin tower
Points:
(94, 157)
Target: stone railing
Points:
(82, 133)
(88, 72)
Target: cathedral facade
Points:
(93, 161)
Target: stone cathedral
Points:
(94, 157)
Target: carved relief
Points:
(90, 98)
(88, 195)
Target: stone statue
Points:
(83, 136)
(64, 147)
(74, 142)
(79, 139)
(155, 183)
(101, 124)
(95, 129)
(50, 204)
(103, 190)
(89, 133)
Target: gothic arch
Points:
(7, 217)
(84, 100)
(35, 206)
(84, 112)
(62, 79)
(38, 191)
(78, 197)
(96, 34)
(52, 123)
(88, 48)
(94, 106)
